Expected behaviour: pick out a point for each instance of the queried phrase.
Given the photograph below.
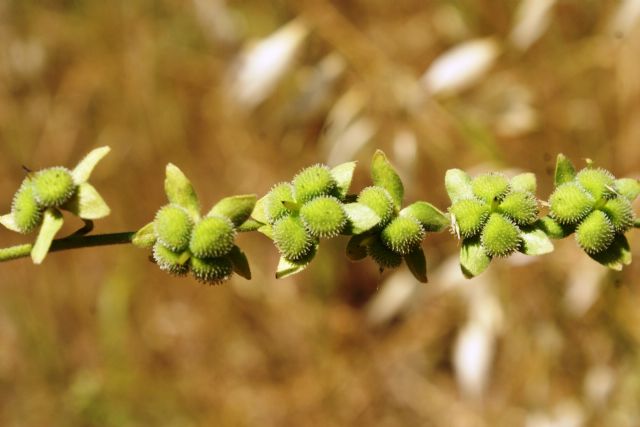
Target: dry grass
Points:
(102, 338)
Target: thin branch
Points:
(71, 242)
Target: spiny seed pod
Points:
(53, 186)
(595, 233)
(211, 271)
(27, 215)
(403, 235)
(173, 226)
(569, 203)
(291, 238)
(500, 237)
(274, 206)
(382, 255)
(212, 237)
(379, 200)
(470, 215)
(521, 207)
(312, 182)
(598, 182)
(490, 186)
(169, 260)
(323, 216)
(620, 213)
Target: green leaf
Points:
(145, 238)
(237, 208)
(615, 256)
(356, 248)
(240, 262)
(535, 242)
(473, 258)
(524, 182)
(180, 191)
(458, 185)
(87, 203)
(417, 264)
(361, 218)
(552, 228)
(565, 171)
(385, 176)
(287, 267)
(636, 223)
(51, 224)
(628, 187)
(8, 222)
(343, 174)
(83, 169)
(431, 218)
(259, 213)
(267, 230)
(249, 225)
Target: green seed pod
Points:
(27, 215)
(169, 260)
(595, 233)
(470, 215)
(173, 226)
(598, 182)
(382, 255)
(312, 182)
(211, 271)
(274, 206)
(569, 203)
(403, 235)
(291, 238)
(212, 237)
(323, 216)
(520, 206)
(379, 200)
(490, 186)
(53, 186)
(620, 213)
(500, 237)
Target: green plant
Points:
(492, 215)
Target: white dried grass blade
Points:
(264, 64)
(395, 295)
(461, 67)
(532, 20)
(344, 111)
(317, 88)
(216, 20)
(405, 153)
(584, 286)
(353, 139)
(626, 16)
(473, 353)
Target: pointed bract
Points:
(237, 208)
(51, 223)
(87, 203)
(83, 169)
(180, 191)
(384, 175)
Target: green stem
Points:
(71, 242)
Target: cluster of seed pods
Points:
(491, 214)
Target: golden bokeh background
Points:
(241, 95)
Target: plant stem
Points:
(71, 242)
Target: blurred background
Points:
(241, 95)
